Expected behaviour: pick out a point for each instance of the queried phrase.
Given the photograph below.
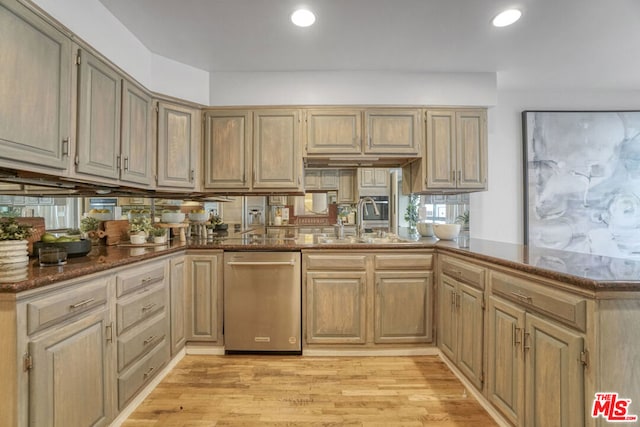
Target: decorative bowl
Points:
(425, 229)
(172, 217)
(446, 231)
(198, 217)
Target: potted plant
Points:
(411, 213)
(139, 228)
(159, 235)
(14, 244)
(89, 228)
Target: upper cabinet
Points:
(393, 131)
(333, 131)
(115, 125)
(456, 153)
(257, 151)
(35, 91)
(349, 134)
(178, 142)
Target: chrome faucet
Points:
(361, 202)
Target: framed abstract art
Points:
(582, 181)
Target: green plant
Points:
(12, 230)
(463, 219)
(411, 214)
(158, 232)
(140, 224)
(89, 224)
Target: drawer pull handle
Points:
(148, 307)
(524, 298)
(149, 371)
(81, 303)
(146, 279)
(149, 340)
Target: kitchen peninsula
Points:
(512, 322)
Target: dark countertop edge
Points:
(581, 282)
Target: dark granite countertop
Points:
(582, 270)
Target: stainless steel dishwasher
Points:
(262, 302)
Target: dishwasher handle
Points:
(249, 263)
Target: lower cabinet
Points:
(367, 298)
(536, 352)
(536, 373)
(178, 308)
(204, 274)
(461, 317)
(70, 380)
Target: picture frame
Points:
(581, 179)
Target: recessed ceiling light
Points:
(303, 18)
(506, 18)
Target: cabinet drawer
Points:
(403, 262)
(463, 271)
(336, 261)
(48, 311)
(141, 373)
(566, 308)
(129, 281)
(139, 306)
(138, 342)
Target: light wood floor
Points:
(321, 391)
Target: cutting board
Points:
(116, 231)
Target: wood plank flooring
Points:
(319, 391)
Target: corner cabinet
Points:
(178, 145)
(456, 153)
(35, 91)
(257, 150)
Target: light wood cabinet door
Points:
(374, 177)
(177, 145)
(393, 131)
(321, 179)
(470, 348)
(336, 307)
(204, 297)
(554, 375)
(331, 131)
(137, 147)
(471, 152)
(347, 188)
(277, 155)
(447, 318)
(227, 150)
(71, 379)
(403, 307)
(440, 157)
(505, 370)
(177, 304)
(35, 90)
(99, 103)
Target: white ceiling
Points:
(557, 43)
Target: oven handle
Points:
(292, 262)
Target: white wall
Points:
(94, 24)
(498, 213)
(352, 87)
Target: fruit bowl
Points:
(75, 248)
(446, 231)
